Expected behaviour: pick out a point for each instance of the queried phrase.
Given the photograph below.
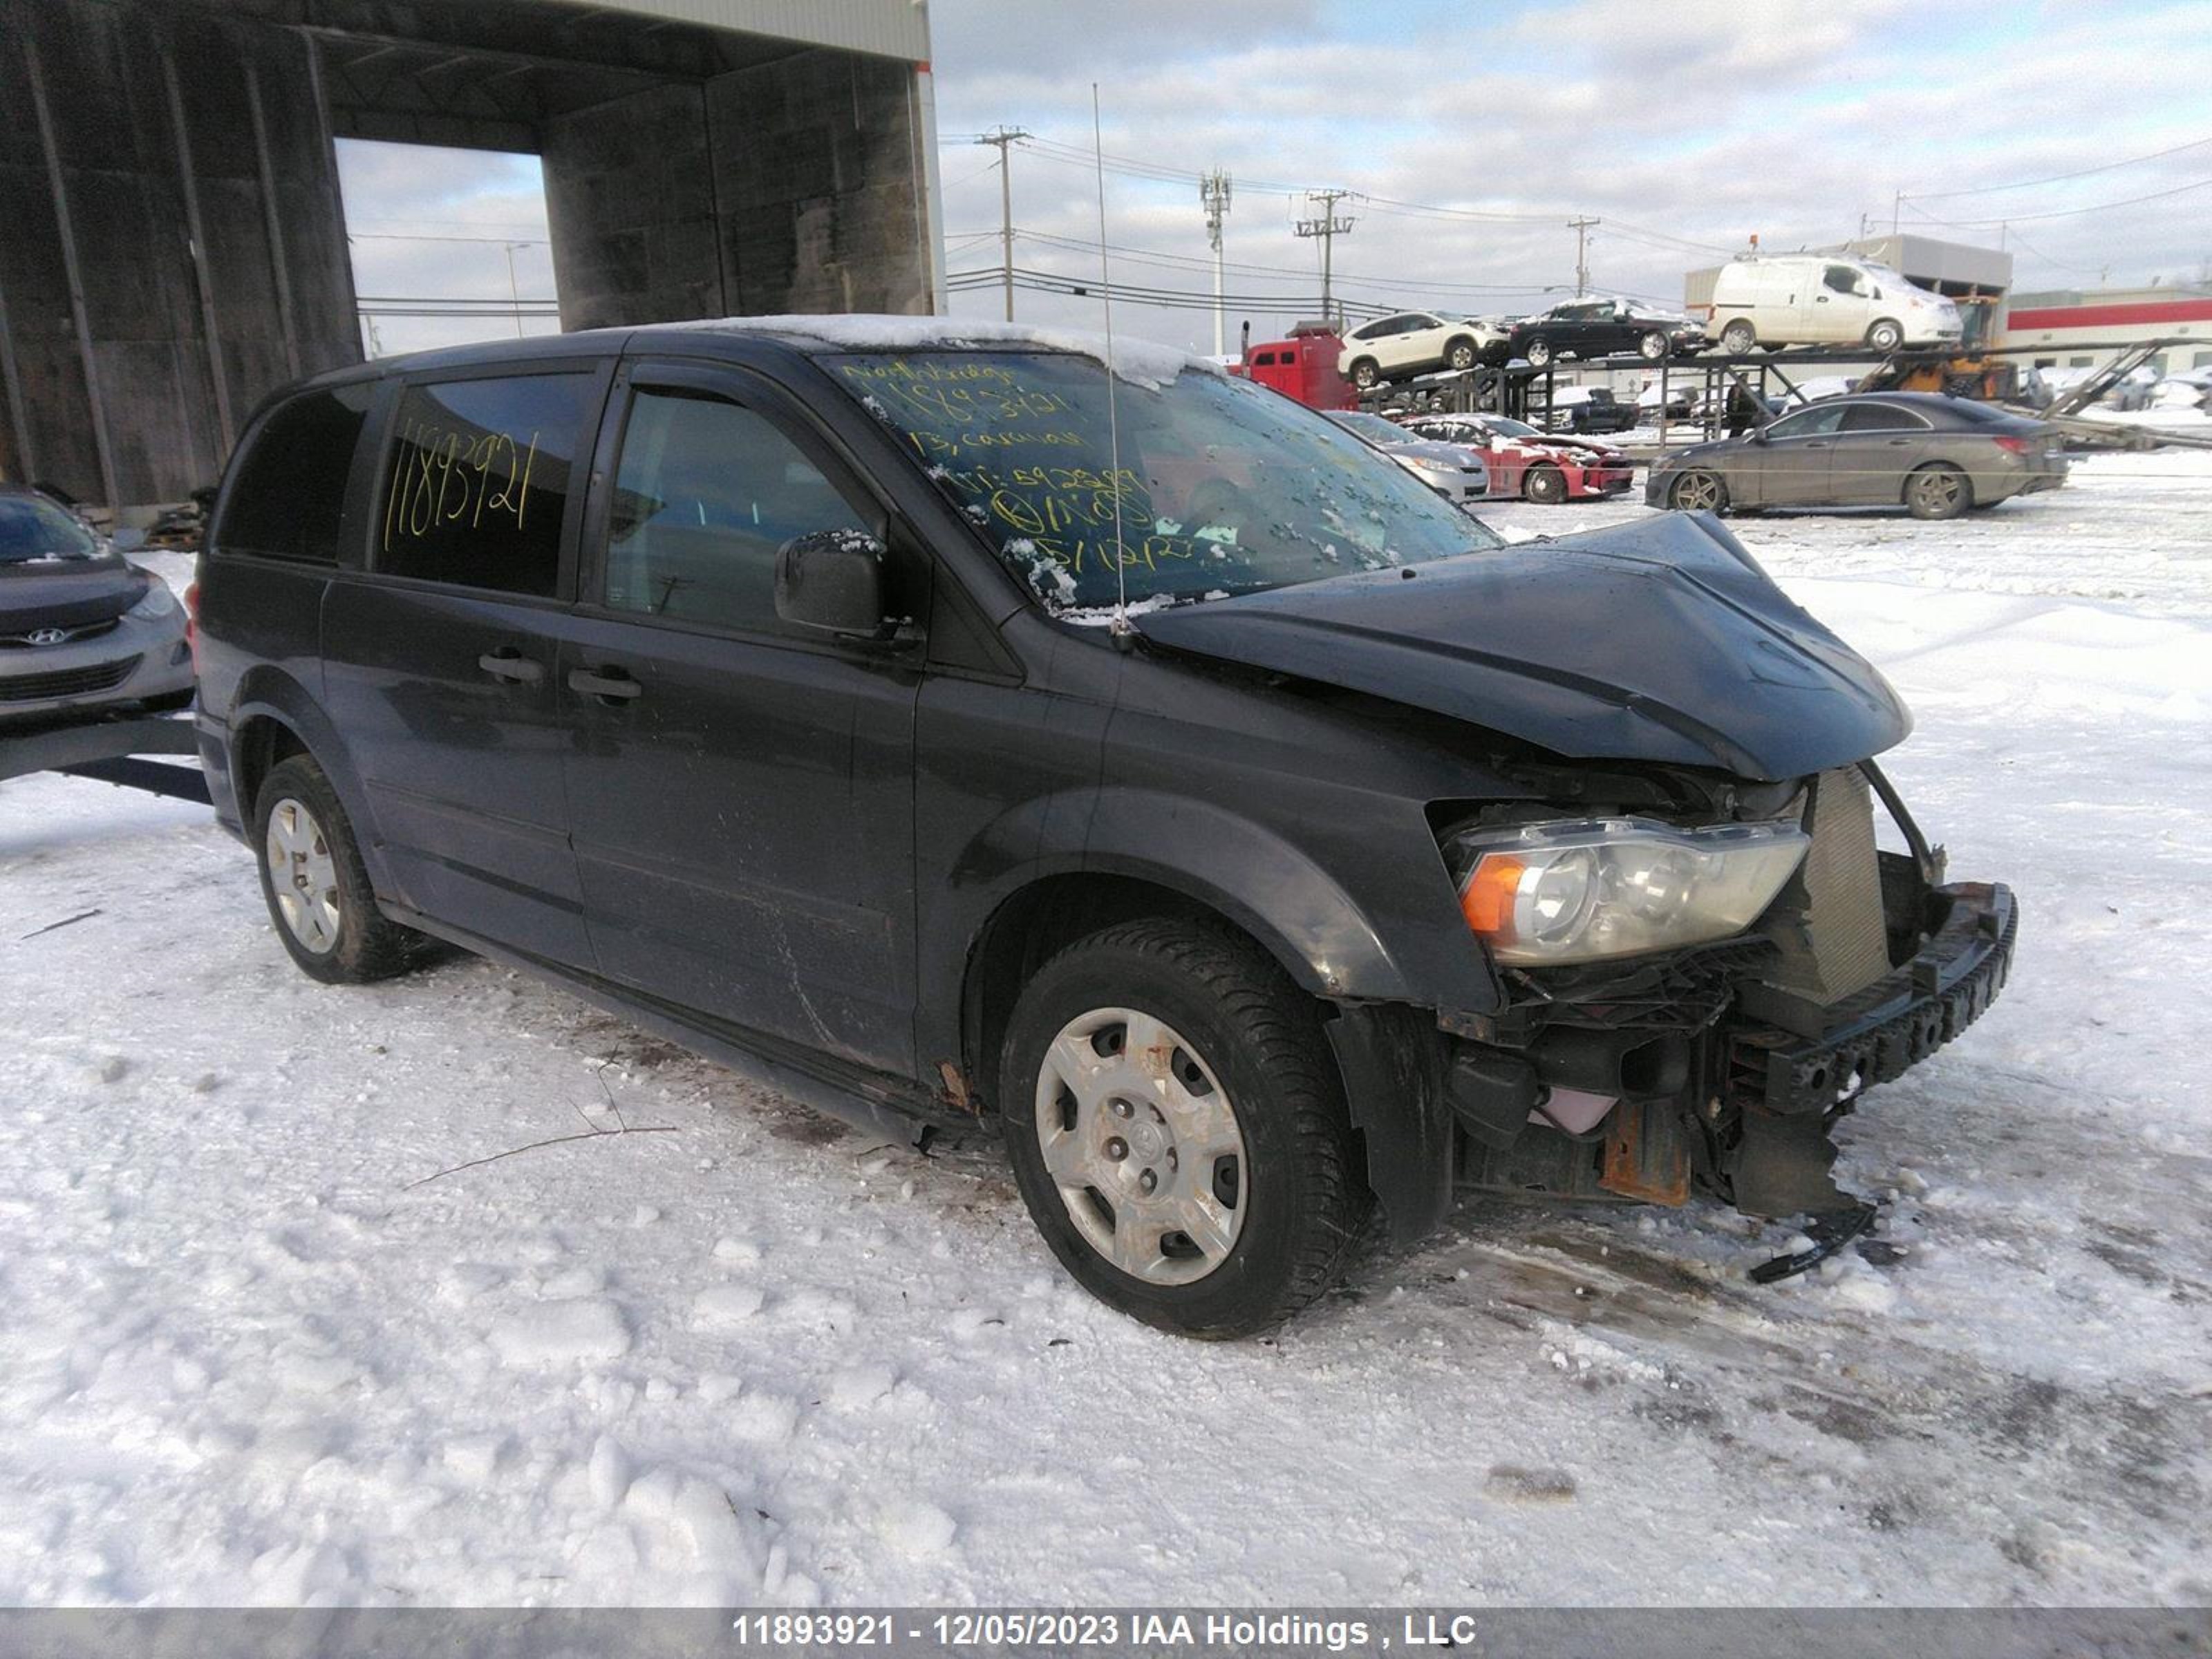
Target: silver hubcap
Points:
(1938, 490)
(303, 876)
(1697, 492)
(1142, 1142)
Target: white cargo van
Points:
(1825, 299)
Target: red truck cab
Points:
(1302, 366)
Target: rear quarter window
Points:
(287, 501)
(478, 480)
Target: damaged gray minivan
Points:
(949, 729)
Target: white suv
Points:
(1414, 343)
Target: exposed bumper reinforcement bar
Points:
(1893, 1025)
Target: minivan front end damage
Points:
(1720, 1066)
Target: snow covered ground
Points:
(266, 1342)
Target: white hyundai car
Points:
(1416, 343)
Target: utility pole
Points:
(1005, 139)
(1213, 196)
(1896, 212)
(1328, 227)
(1581, 230)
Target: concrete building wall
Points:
(174, 247)
(175, 244)
(837, 226)
(790, 185)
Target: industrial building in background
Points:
(175, 245)
(2077, 328)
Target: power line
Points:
(2061, 213)
(2058, 177)
(399, 236)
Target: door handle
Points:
(511, 666)
(612, 686)
(1899, 443)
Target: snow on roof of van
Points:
(1145, 363)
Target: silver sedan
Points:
(1935, 456)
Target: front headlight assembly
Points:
(1539, 894)
(156, 602)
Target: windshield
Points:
(1224, 487)
(33, 528)
(1504, 427)
(1373, 428)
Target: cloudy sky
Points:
(1473, 133)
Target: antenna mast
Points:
(1120, 626)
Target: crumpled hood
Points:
(67, 592)
(1661, 641)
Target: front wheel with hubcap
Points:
(1738, 337)
(1938, 491)
(1177, 1128)
(1653, 345)
(1885, 335)
(1699, 491)
(1461, 354)
(316, 885)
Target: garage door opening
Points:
(449, 245)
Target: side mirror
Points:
(831, 582)
(1757, 434)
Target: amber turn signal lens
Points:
(1486, 901)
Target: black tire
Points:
(1365, 374)
(1739, 337)
(366, 945)
(1544, 482)
(1937, 490)
(1885, 335)
(1301, 1200)
(1538, 351)
(1706, 491)
(1461, 354)
(1652, 346)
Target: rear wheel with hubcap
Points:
(1538, 351)
(316, 885)
(1365, 374)
(1938, 490)
(1177, 1128)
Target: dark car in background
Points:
(909, 714)
(83, 630)
(1935, 456)
(1602, 328)
(1587, 409)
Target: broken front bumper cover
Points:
(1891, 1026)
